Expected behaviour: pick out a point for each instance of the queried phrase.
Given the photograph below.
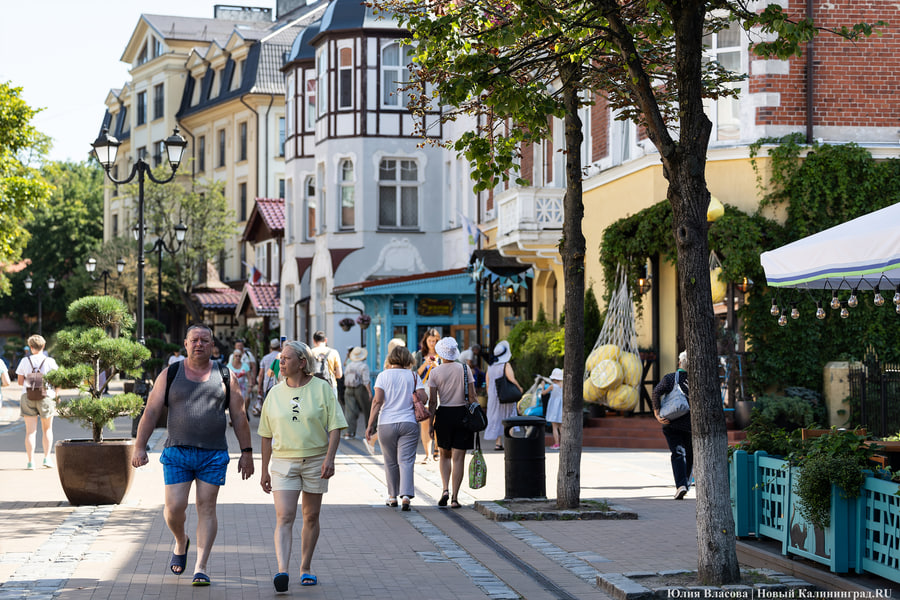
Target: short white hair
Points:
(682, 359)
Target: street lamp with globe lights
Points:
(39, 292)
(91, 266)
(105, 149)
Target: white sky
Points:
(65, 55)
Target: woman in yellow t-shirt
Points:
(300, 427)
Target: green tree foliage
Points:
(201, 206)
(820, 187)
(593, 320)
(536, 348)
(98, 342)
(22, 188)
(513, 64)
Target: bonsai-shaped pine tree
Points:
(98, 342)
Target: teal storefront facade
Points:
(407, 307)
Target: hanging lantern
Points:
(795, 314)
(853, 301)
(879, 299)
(774, 310)
(820, 312)
(897, 296)
(782, 320)
(835, 301)
(844, 312)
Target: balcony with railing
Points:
(530, 220)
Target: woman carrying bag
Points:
(496, 411)
(449, 380)
(397, 388)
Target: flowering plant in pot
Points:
(346, 323)
(94, 350)
(364, 320)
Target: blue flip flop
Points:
(307, 579)
(281, 582)
(200, 579)
(180, 560)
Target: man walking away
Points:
(196, 449)
(267, 377)
(327, 361)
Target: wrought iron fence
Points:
(875, 396)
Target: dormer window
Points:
(143, 56)
(157, 48)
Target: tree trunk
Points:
(689, 197)
(572, 248)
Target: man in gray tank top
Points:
(196, 448)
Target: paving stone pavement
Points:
(49, 549)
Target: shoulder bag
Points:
(475, 420)
(422, 412)
(477, 467)
(674, 404)
(507, 392)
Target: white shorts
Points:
(298, 474)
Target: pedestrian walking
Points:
(357, 389)
(300, 426)
(496, 411)
(678, 431)
(38, 399)
(393, 413)
(554, 404)
(427, 359)
(196, 449)
(449, 381)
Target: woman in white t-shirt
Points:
(45, 408)
(398, 431)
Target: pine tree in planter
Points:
(96, 471)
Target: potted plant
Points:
(90, 353)
(346, 323)
(364, 320)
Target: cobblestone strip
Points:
(448, 550)
(573, 563)
(45, 571)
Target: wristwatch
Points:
(247, 450)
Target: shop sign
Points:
(432, 307)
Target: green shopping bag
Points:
(477, 467)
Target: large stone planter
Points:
(95, 473)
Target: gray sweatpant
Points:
(398, 445)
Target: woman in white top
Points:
(398, 431)
(496, 412)
(45, 408)
(449, 381)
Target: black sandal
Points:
(392, 502)
(455, 504)
(444, 498)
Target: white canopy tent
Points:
(860, 254)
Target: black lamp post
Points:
(158, 246)
(106, 274)
(39, 292)
(105, 149)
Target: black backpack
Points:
(223, 371)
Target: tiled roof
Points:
(225, 300)
(263, 297)
(202, 30)
(272, 212)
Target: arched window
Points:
(348, 185)
(394, 74)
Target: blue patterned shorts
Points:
(186, 463)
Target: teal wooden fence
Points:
(864, 533)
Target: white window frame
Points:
(310, 96)
(713, 107)
(395, 73)
(322, 81)
(310, 205)
(347, 183)
(399, 184)
(345, 70)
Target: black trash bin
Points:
(523, 443)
